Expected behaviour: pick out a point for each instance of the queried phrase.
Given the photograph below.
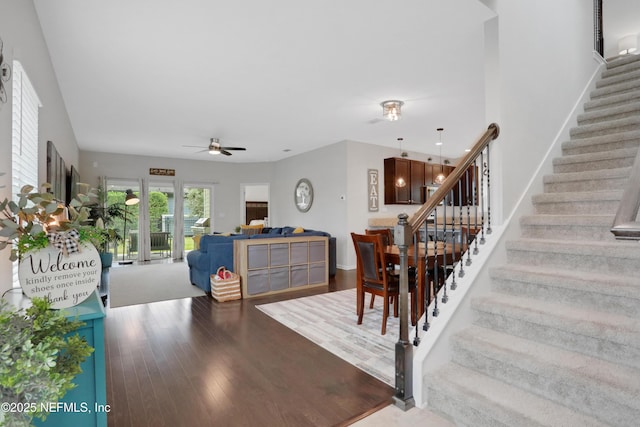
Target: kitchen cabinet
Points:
(403, 181)
(409, 181)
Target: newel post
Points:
(403, 397)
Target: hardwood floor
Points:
(196, 362)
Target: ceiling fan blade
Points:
(234, 148)
(195, 146)
(225, 152)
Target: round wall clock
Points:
(303, 195)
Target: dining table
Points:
(446, 254)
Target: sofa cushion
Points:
(250, 230)
(209, 239)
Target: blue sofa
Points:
(216, 250)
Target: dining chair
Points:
(386, 233)
(375, 278)
(387, 240)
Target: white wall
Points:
(256, 193)
(545, 61)
(225, 177)
(325, 168)
(362, 157)
(23, 41)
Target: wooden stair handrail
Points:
(451, 181)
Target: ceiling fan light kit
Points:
(215, 148)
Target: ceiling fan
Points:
(215, 148)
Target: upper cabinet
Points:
(406, 181)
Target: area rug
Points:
(141, 284)
(330, 321)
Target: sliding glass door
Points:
(161, 202)
(126, 222)
(197, 213)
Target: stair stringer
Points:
(435, 349)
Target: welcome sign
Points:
(64, 280)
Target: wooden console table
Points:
(268, 266)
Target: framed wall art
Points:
(303, 195)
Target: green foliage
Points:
(23, 224)
(39, 358)
(194, 201)
(158, 206)
(105, 216)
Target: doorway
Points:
(255, 203)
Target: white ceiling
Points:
(149, 76)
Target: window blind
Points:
(24, 140)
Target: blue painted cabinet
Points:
(86, 404)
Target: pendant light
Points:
(400, 182)
(440, 177)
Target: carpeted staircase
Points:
(557, 342)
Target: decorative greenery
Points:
(26, 222)
(38, 355)
(39, 359)
(103, 216)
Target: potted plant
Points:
(39, 354)
(103, 216)
(39, 358)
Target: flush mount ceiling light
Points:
(628, 44)
(391, 110)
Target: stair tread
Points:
(617, 248)
(604, 126)
(612, 100)
(617, 78)
(623, 172)
(615, 88)
(597, 156)
(557, 362)
(621, 62)
(568, 220)
(609, 284)
(575, 196)
(632, 106)
(633, 135)
(608, 326)
(508, 402)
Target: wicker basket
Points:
(226, 289)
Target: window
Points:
(24, 140)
